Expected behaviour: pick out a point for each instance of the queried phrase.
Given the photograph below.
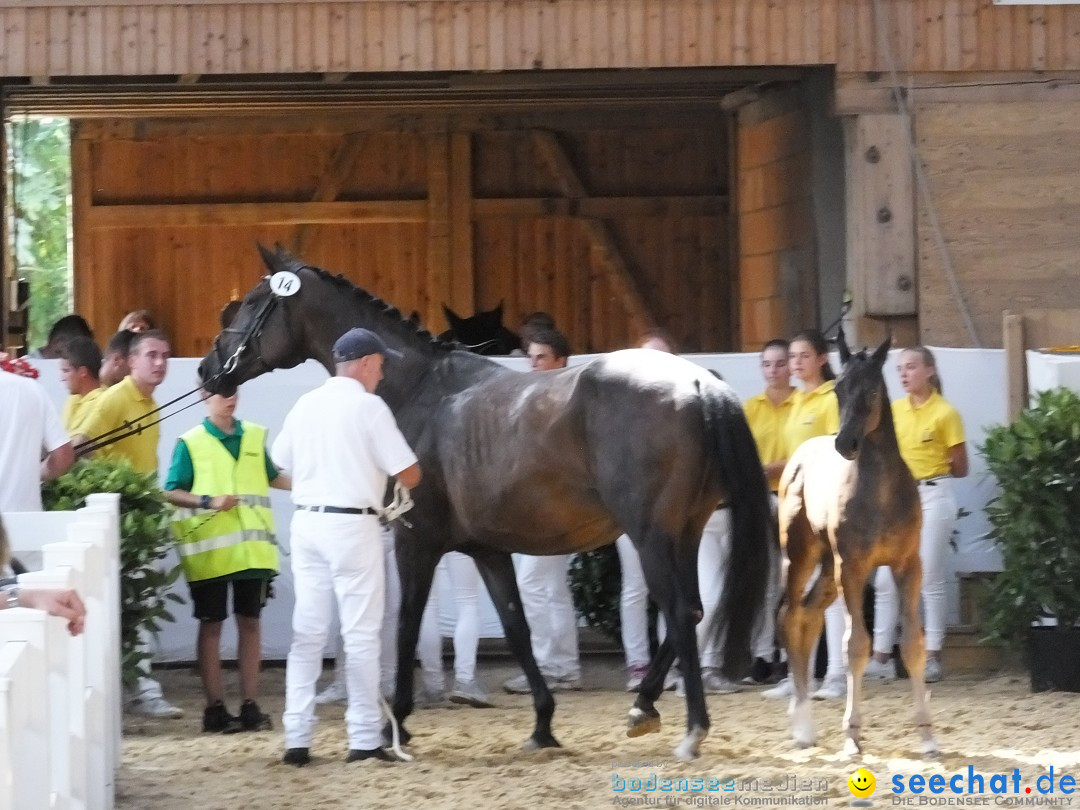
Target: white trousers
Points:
(939, 517)
(549, 610)
(464, 579)
(335, 558)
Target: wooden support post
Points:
(436, 290)
(603, 243)
(330, 184)
(462, 269)
(1012, 330)
(82, 205)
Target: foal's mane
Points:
(370, 300)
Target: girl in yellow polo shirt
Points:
(816, 412)
(931, 438)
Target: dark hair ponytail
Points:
(821, 346)
(928, 360)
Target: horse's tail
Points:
(753, 539)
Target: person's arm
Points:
(58, 462)
(410, 476)
(281, 482)
(64, 603)
(189, 500)
(958, 460)
(182, 477)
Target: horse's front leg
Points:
(857, 649)
(416, 561)
(913, 646)
(497, 571)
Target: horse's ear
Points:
(498, 311)
(269, 259)
(451, 317)
(881, 353)
(841, 344)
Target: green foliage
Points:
(1035, 517)
(144, 541)
(596, 583)
(40, 158)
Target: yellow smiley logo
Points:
(862, 783)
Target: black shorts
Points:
(210, 600)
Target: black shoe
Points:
(252, 717)
(297, 757)
(358, 754)
(217, 718)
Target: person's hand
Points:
(223, 503)
(59, 602)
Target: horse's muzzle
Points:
(848, 448)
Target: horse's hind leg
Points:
(853, 578)
(913, 646)
(803, 619)
(643, 717)
(497, 570)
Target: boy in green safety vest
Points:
(220, 478)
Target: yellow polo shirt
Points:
(925, 434)
(813, 413)
(122, 403)
(76, 408)
(767, 422)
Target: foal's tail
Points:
(753, 539)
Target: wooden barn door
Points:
(777, 252)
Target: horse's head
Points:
(482, 333)
(861, 392)
(267, 331)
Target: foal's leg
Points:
(853, 579)
(913, 645)
(497, 570)
(804, 619)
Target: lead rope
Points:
(395, 731)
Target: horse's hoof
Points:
(852, 748)
(388, 734)
(930, 749)
(690, 747)
(640, 722)
(538, 741)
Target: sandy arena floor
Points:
(468, 758)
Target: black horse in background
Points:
(636, 441)
(482, 333)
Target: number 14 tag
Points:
(284, 283)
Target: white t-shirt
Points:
(339, 444)
(29, 428)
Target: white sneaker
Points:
(518, 685)
(933, 672)
(564, 683)
(157, 707)
(334, 693)
(784, 689)
(635, 675)
(470, 693)
(717, 684)
(428, 697)
(832, 688)
(878, 671)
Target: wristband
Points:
(10, 593)
(204, 501)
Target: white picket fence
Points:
(60, 731)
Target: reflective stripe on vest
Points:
(215, 544)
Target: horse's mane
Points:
(384, 308)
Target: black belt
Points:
(339, 510)
(931, 482)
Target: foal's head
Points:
(860, 389)
(482, 333)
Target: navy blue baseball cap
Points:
(359, 342)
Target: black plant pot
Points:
(1054, 659)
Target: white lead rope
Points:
(395, 732)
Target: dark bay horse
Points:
(848, 504)
(482, 333)
(540, 463)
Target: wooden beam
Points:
(602, 207)
(1012, 331)
(872, 93)
(462, 211)
(333, 179)
(439, 261)
(85, 274)
(602, 239)
(255, 213)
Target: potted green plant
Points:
(1035, 522)
(144, 541)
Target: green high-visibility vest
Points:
(215, 544)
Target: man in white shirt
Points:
(542, 581)
(339, 444)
